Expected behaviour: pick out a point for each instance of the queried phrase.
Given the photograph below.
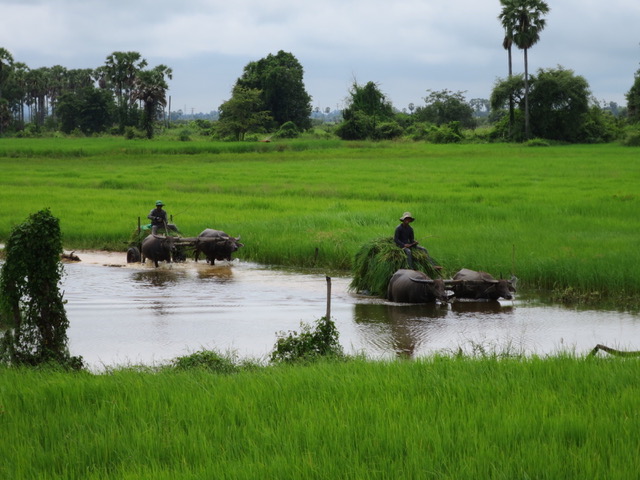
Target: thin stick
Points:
(328, 298)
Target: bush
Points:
(132, 133)
(287, 130)
(387, 131)
(308, 345)
(30, 297)
(449, 133)
(206, 360)
(632, 138)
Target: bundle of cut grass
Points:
(376, 262)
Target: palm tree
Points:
(119, 74)
(523, 22)
(151, 89)
(507, 43)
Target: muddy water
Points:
(135, 314)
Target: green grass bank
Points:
(443, 418)
(560, 217)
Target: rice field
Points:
(558, 217)
(442, 418)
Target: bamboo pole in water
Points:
(328, 298)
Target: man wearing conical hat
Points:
(404, 238)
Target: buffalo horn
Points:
(421, 280)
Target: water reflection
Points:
(159, 277)
(403, 328)
(141, 314)
(480, 307)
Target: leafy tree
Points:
(559, 101)
(367, 108)
(30, 296)
(443, 107)
(279, 78)
(6, 66)
(151, 89)
(243, 113)
(523, 18)
(633, 100)
(559, 104)
(89, 109)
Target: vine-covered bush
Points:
(30, 298)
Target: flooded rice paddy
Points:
(123, 314)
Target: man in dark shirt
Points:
(404, 238)
(158, 219)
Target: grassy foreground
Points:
(439, 418)
(562, 217)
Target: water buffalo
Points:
(480, 286)
(412, 286)
(215, 245)
(158, 248)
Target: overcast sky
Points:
(406, 46)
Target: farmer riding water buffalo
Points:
(412, 286)
(481, 285)
(215, 245)
(404, 238)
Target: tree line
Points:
(269, 98)
(121, 93)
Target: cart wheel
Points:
(133, 255)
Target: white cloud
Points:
(407, 46)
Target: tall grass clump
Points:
(310, 344)
(376, 261)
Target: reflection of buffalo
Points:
(480, 285)
(402, 329)
(412, 286)
(215, 245)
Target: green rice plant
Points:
(439, 417)
(556, 216)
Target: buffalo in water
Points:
(413, 286)
(215, 245)
(481, 286)
(158, 249)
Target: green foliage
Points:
(243, 113)
(211, 361)
(632, 137)
(387, 131)
(30, 297)
(376, 261)
(308, 345)
(369, 114)
(279, 79)
(449, 133)
(558, 102)
(633, 100)
(91, 110)
(287, 130)
(443, 107)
